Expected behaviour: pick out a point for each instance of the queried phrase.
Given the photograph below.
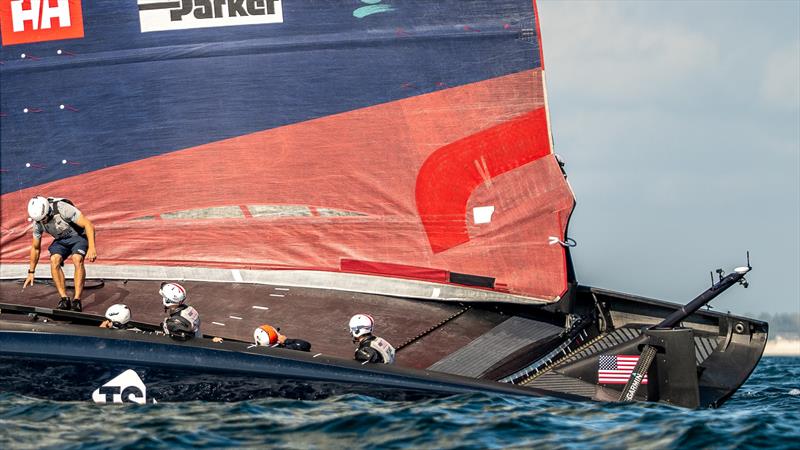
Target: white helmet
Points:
(361, 324)
(118, 314)
(38, 208)
(172, 294)
(266, 335)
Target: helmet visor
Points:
(359, 330)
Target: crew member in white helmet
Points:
(118, 317)
(371, 348)
(73, 235)
(183, 322)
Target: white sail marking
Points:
(482, 214)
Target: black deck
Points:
(234, 310)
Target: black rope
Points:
(69, 284)
(548, 366)
(431, 329)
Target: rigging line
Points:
(556, 363)
(568, 242)
(69, 283)
(432, 329)
(601, 317)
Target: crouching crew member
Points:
(73, 236)
(269, 336)
(118, 317)
(371, 348)
(183, 322)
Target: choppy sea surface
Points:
(764, 413)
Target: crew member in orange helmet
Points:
(269, 336)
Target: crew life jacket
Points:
(381, 346)
(58, 223)
(183, 324)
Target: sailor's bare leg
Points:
(58, 274)
(80, 275)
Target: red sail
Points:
(390, 142)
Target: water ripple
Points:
(763, 414)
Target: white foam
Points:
(794, 392)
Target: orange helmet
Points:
(266, 335)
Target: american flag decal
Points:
(616, 369)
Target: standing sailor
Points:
(183, 322)
(74, 236)
(371, 348)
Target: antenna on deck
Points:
(744, 270)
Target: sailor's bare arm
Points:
(91, 253)
(36, 248)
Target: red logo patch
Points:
(23, 21)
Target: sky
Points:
(679, 122)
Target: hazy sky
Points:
(680, 126)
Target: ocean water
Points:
(764, 413)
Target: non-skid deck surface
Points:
(234, 310)
(497, 344)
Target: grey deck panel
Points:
(487, 350)
(552, 381)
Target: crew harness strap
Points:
(53, 211)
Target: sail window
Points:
(255, 211)
(219, 212)
(279, 210)
(327, 212)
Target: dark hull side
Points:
(443, 347)
(70, 362)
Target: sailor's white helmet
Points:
(266, 335)
(118, 314)
(361, 324)
(172, 294)
(38, 208)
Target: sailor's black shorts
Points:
(75, 244)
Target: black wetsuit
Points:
(296, 344)
(124, 326)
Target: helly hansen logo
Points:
(23, 21)
(160, 15)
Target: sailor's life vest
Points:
(59, 226)
(375, 349)
(183, 324)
